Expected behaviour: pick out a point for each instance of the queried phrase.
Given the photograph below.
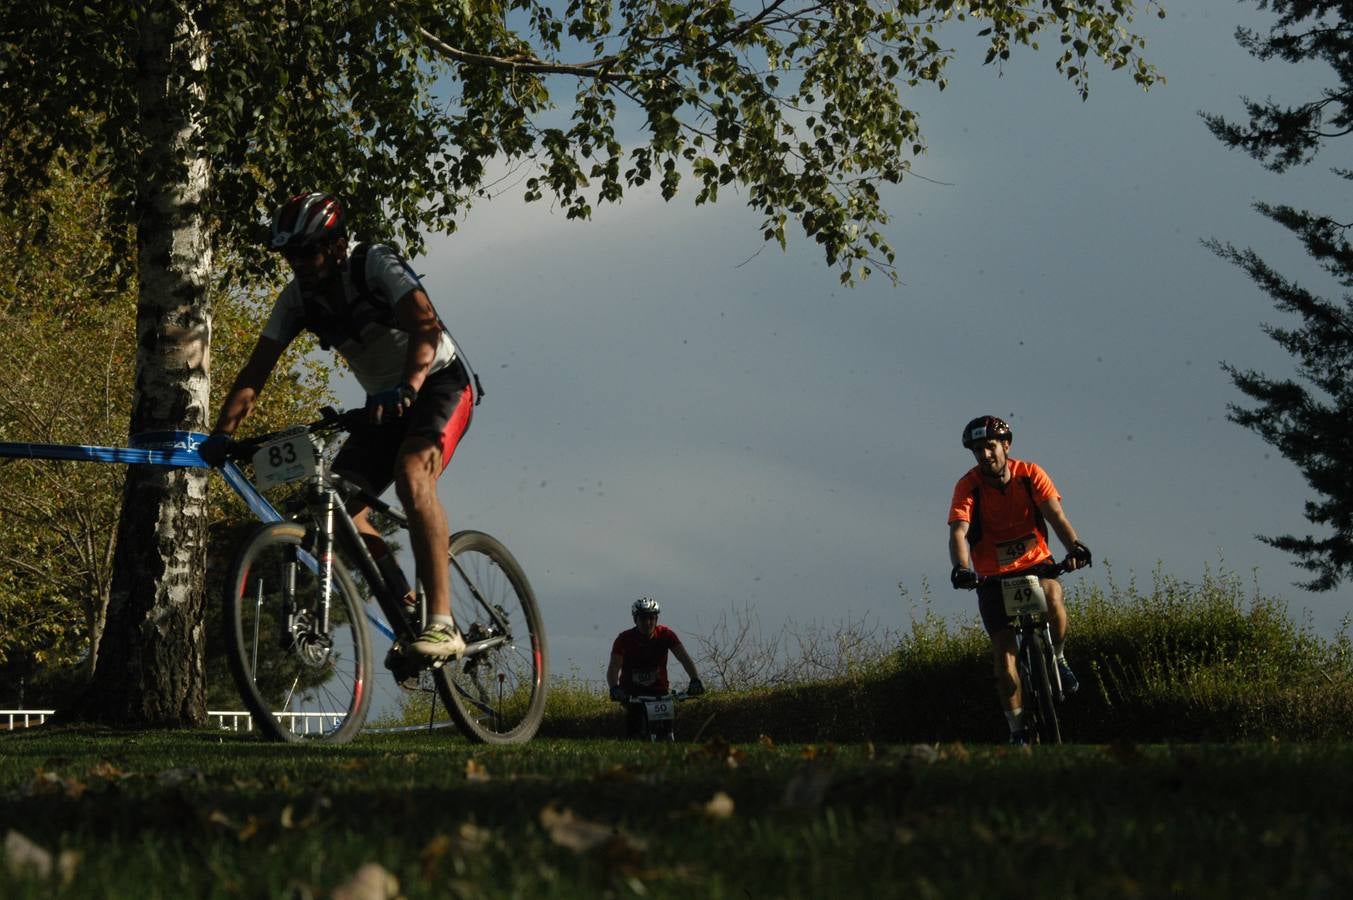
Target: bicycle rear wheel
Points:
(497, 695)
(1049, 732)
(300, 681)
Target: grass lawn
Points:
(209, 814)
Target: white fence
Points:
(24, 718)
(227, 720)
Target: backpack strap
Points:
(975, 525)
(332, 326)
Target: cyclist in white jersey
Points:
(419, 389)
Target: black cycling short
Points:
(441, 414)
(991, 602)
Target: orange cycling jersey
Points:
(1006, 531)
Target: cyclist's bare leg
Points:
(1057, 618)
(416, 471)
(1003, 666)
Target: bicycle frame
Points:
(336, 526)
(180, 451)
(642, 701)
(319, 526)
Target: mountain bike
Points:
(1040, 680)
(297, 613)
(659, 714)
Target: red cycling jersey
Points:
(1010, 534)
(643, 668)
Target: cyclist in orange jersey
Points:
(998, 526)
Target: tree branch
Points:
(597, 68)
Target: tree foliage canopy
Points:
(414, 110)
(205, 114)
(1306, 417)
(65, 378)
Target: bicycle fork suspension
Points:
(324, 549)
(1051, 655)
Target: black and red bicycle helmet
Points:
(986, 428)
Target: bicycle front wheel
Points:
(302, 679)
(1049, 732)
(495, 695)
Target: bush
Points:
(1180, 662)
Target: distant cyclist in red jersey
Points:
(639, 661)
(998, 526)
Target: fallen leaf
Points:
(568, 830)
(432, 854)
(370, 882)
(470, 838)
(625, 773)
(720, 806)
(766, 742)
(983, 833)
(109, 772)
(177, 777)
(924, 753)
(23, 857)
(475, 772)
(956, 751)
(67, 861)
(718, 749)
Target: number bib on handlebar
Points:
(661, 709)
(1023, 594)
(285, 459)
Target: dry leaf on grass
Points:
(45, 783)
(720, 806)
(718, 749)
(25, 858)
(475, 772)
(170, 778)
(370, 882)
(924, 753)
(242, 832)
(568, 830)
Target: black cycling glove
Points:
(963, 579)
(1080, 553)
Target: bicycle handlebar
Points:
(332, 420)
(678, 696)
(1052, 571)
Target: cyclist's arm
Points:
(686, 662)
(239, 403)
(415, 315)
(613, 670)
(960, 554)
(1056, 517)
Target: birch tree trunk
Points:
(149, 670)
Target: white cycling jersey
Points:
(378, 356)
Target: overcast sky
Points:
(673, 411)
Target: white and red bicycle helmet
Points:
(307, 220)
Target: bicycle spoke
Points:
(291, 674)
(496, 694)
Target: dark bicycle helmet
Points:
(986, 428)
(306, 220)
(645, 606)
